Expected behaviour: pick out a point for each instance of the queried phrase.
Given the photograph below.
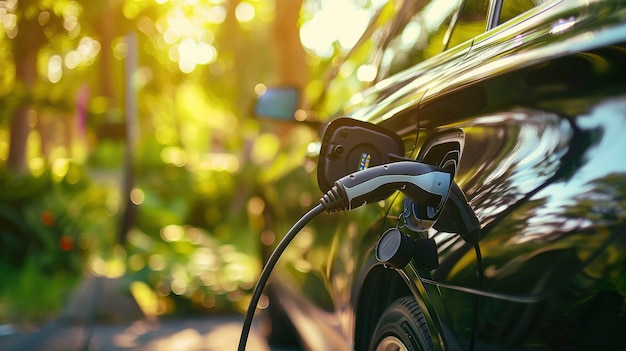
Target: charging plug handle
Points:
(423, 184)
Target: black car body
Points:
(525, 102)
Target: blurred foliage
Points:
(211, 188)
(50, 224)
(21, 297)
(50, 215)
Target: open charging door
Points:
(350, 145)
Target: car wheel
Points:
(402, 327)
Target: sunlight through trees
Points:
(181, 180)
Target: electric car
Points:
(523, 103)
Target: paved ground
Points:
(100, 317)
(215, 333)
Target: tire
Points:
(402, 327)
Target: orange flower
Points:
(47, 218)
(66, 243)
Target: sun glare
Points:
(329, 25)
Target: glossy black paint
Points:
(538, 105)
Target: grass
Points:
(30, 296)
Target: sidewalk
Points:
(193, 334)
(114, 322)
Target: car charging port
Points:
(396, 249)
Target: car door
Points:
(534, 168)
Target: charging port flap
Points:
(350, 145)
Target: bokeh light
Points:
(162, 121)
(328, 25)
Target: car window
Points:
(357, 69)
(420, 35)
(514, 8)
(406, 33)
(472, 21)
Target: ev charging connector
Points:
(422, 183)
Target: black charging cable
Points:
(422, 183)
(468, 226)
(481, 275)
(267, 270)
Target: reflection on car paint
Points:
(566, 239)
(541, 102)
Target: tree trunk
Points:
(16, 161)
(291, 55)
(25, 72)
